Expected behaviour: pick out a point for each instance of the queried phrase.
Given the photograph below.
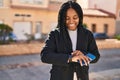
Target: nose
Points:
(71, 21)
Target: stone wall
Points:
(108, 43)
(18, 49)
(35, 47)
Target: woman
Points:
(67, 46)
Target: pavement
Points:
(113, 74)
(29, 67)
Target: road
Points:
(110, 59)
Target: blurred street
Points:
(29, 67)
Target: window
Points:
(38, 34)
(93, 28)
(38, 27)
(105, 28)
(26, 1)
(38, 1)
(1, 3)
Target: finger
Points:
(84, 61)
(87, 59)
(80, 62)
(80, 53)
(75, 59)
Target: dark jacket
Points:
(57, 51)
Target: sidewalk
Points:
(113, 74)
(32, 70)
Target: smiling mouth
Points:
(71, 25)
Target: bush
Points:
(5, 30)
(85, 25)
(30, 37)
(117, 36)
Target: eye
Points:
(75, 17)
(67, 18)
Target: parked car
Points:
(100, 36)
(12, 36)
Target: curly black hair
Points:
(63, 10)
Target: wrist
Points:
(70, 58)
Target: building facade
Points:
(28, 16)
(112, 6)
(99, 21)
(38, 17)
(118, 17)
(108, 5)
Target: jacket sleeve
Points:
(92, 47)
(49, 52)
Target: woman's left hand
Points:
(80, 57)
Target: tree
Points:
(5, 30)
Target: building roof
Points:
(98, 12)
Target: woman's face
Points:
(72, 19)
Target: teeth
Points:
(72, 25)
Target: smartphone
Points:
(90, 56)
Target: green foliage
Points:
(6, 28)
(84, 25)
(117, 36)
(4, 33)
(30, 37)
